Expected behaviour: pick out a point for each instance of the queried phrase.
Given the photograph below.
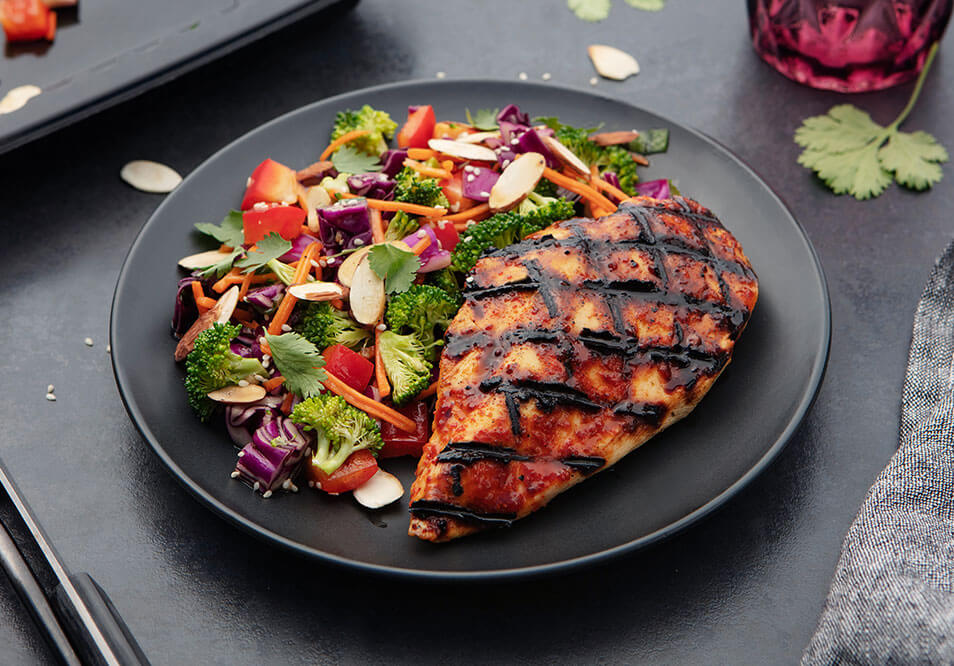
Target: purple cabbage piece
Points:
(358, 240)
(298, 247)
(344, 225)
(521, 139)
(372, 185)
(657, 189)
(477, 182)
(185, 312)
(512, 114)
(272, 456)
(433, 258)
(612, 178)
(393, 161)
(265, 297)
(243, 420)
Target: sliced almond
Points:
(477, 137)
(311, 199)
(318, 291)
(220, 313)
(150, 176)
(18, 97)
(202, 259)
(346, 270)
(517, 181)
(613, 63)
(367, 294)
(462, 150)
(565, 155)
(238, 395)
(380, 490)
(614, 138)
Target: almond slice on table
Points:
(565, 155)
(612, 63)
(318, 291)
(238, 395)
(149, 176)
(202, 259)
(17, 98)
(380, 490)
(220, 313)
(463, 150)
(516, 181)
(367, 293)
(477, 137)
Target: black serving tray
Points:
(107, 51)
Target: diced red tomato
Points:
(286, 221)
(446, 234)
(418, 129)
(272, 182)
(27, 20)
(400, 443)
(355, 471)
(348, 366)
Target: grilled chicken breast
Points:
(573, 348)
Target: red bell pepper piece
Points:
(348, 366)
(271, 182)
(446, 234)
(27, 20)
(355, 471)
(418, 129)
(286, 221)
(399, 443)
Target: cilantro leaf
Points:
(348, 160)
(483, 119)
(223, 266)
(913, 157)
(853, 154)
(230, 232)
(299, 362)
(395, 266)
(647, 5)
(268, 249)
(590, 10)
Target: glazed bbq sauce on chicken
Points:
(681, 363)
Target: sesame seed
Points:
(286, 328)
(259, 378)
(381, 327)
(441, 75)
(243, 383)
(515, 141)
(88, 342)
(248, 182)
(234, 475)
(421, 233)
(468, 168)
(468, 238)
(522, 76)
(358, 242)
(485, 194)
(51, 397)
(256, 485)
(267, 494)
(594, 81)
(470, 223)
(470, 178)
(50, 388)
(469, 278)
(286, 484)
(311, 484)
(315, 264)
(546, 76)
(241, 453)
(322, 263)
(476, 171)
(505, 164)
(109, 349)
(261, 205)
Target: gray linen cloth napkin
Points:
(892, 597)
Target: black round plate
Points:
(669, 483)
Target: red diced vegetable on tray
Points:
(348, 366)
(27, 20)
(271, 182)
(418, 128)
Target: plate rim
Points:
(807, 399)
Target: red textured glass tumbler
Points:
(847, 45)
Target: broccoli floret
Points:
(620, 160)
(213, 365)
(406, 364)
(379, 125)
(282, 271)
(340, 429)
(505, 229)
(400, 226)
(324, 325)
(413, 188)
(446, 279)
(421, 309)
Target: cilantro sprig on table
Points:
(855, 155)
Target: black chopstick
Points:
(64, 605)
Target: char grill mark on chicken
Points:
(574, 347)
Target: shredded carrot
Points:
(610, 189)
(468, 214)
(430, 172)
(265, 348)
(242, 315)
(429, 391)
(368, 405)
(337, 304)
(246, 282)
(377, 226)
(273, 383)
(288, 301)
(421, 153)
(224, 248)
(380, 376)
(421, 245)
(413, 209)
(447, 165)
(205, 303)
(235, 277)
(197, 292)
(287, 403)
(584, 190)
(340, 141)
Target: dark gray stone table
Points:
(744, 586)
